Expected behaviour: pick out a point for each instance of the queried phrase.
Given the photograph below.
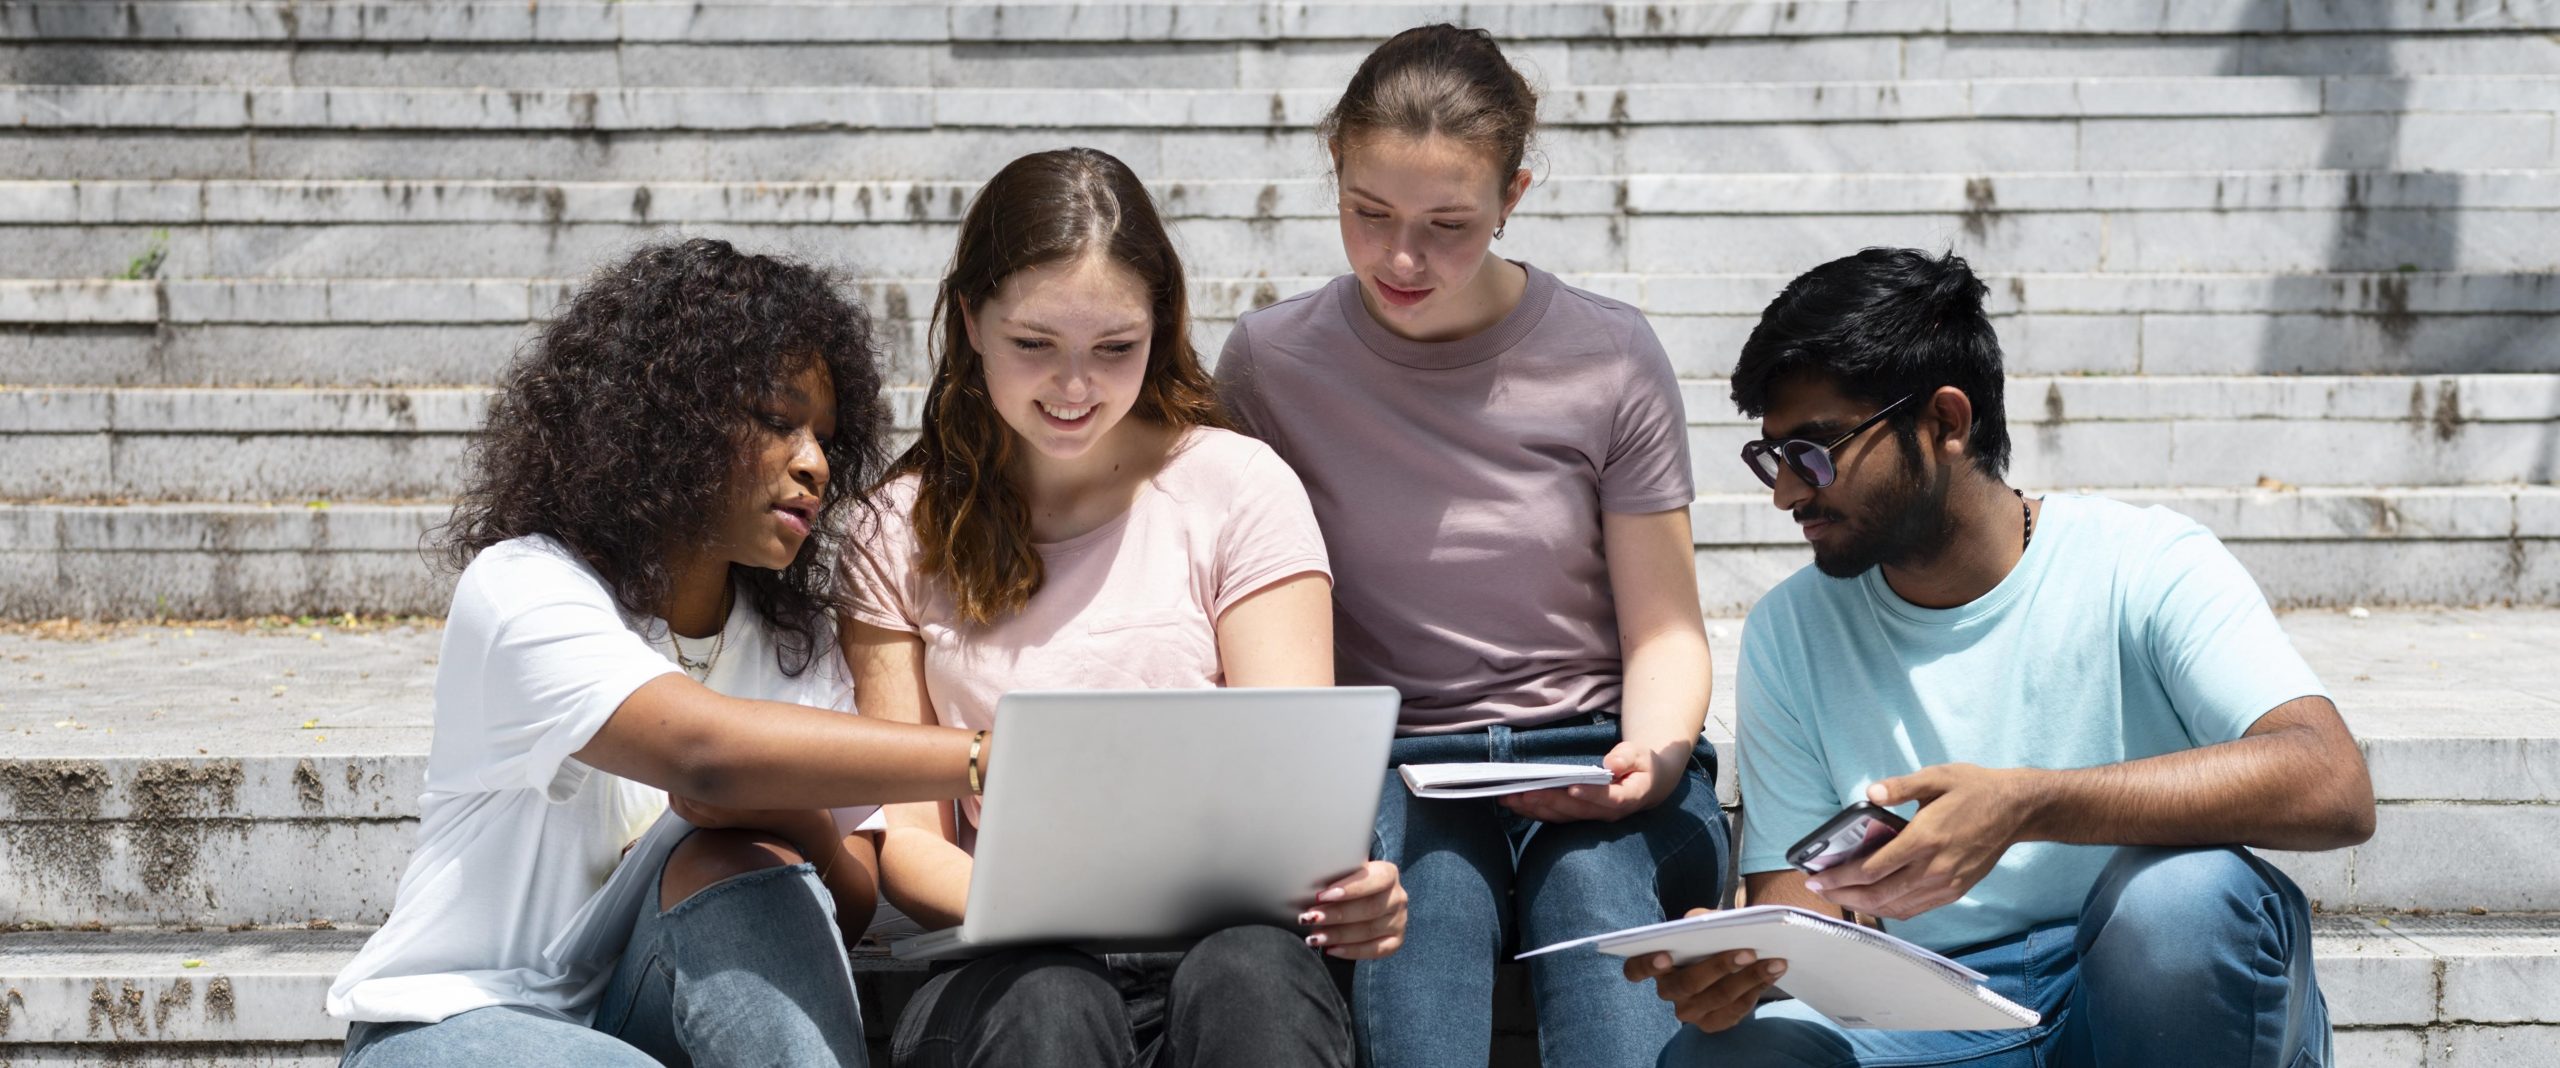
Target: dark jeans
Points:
(1244, 996)
(1483, 880)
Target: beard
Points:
(1902, 523)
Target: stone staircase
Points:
(198, 826)
(2283, 265)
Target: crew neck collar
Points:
(2051, 525)
(1535, 297)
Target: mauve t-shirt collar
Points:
(1444, 355)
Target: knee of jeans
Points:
(1055, 984)
(1754, 1044)
(2173, 903)
(709, 857)
(1249, 957)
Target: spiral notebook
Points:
(1858, 977)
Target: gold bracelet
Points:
(977, 776)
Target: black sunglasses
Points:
(1811, 462)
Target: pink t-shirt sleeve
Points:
(1270, 533)
(1647, 467)
(879, 561)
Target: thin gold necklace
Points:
(701, 669)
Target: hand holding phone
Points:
(1853, 832)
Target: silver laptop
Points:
(1143, 819)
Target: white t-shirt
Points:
(514, 835)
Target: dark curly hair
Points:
(625, 428)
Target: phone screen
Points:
(1855, 831)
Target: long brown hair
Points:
(1048, 207)
(1437, 79)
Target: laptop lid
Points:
(1134, 816)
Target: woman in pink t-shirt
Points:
(1075, 515)
(1500, 464)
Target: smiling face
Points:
(1064, 349)
(783, 476)
(1882, 506)
(1418, 217)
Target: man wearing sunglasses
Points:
(2089, 704)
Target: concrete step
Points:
(725, 108)
(338, 203)
(2345, 241)
(2379, 141)
(2330, 546)
(342, 353)
(797, 134)
(2217, 223)
(460, 331)
(151, 775)
(1278, 62)
(122, 443)
(779, 21)
(674, 21)
(2435, 990)
(243, 997)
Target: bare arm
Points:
(1653, 577)
(1279, 635)
(1787, 888)
(923, 870)
(2295, 780)
(683, 737)
(1653, 574)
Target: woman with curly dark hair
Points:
(1076, 516)
(646, 609)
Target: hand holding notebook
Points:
(1857, 977)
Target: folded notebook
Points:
(1860, 978)
(1493, 780)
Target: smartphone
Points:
(1853, 833)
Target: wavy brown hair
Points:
(630, 424)
(1048, 207)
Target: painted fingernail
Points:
(1315, 940)
(1310, 918)
(1334, 894)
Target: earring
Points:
(1499, 227)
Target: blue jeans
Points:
(2179, 956)
(750, 970)
(1482, 881)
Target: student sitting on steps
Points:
(649, 511)
(1076, 516)
(1501, 468)
(2090, 704)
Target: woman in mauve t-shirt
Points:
(1500, 466)
(1075, 516)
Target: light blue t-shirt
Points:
(2124, 633)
